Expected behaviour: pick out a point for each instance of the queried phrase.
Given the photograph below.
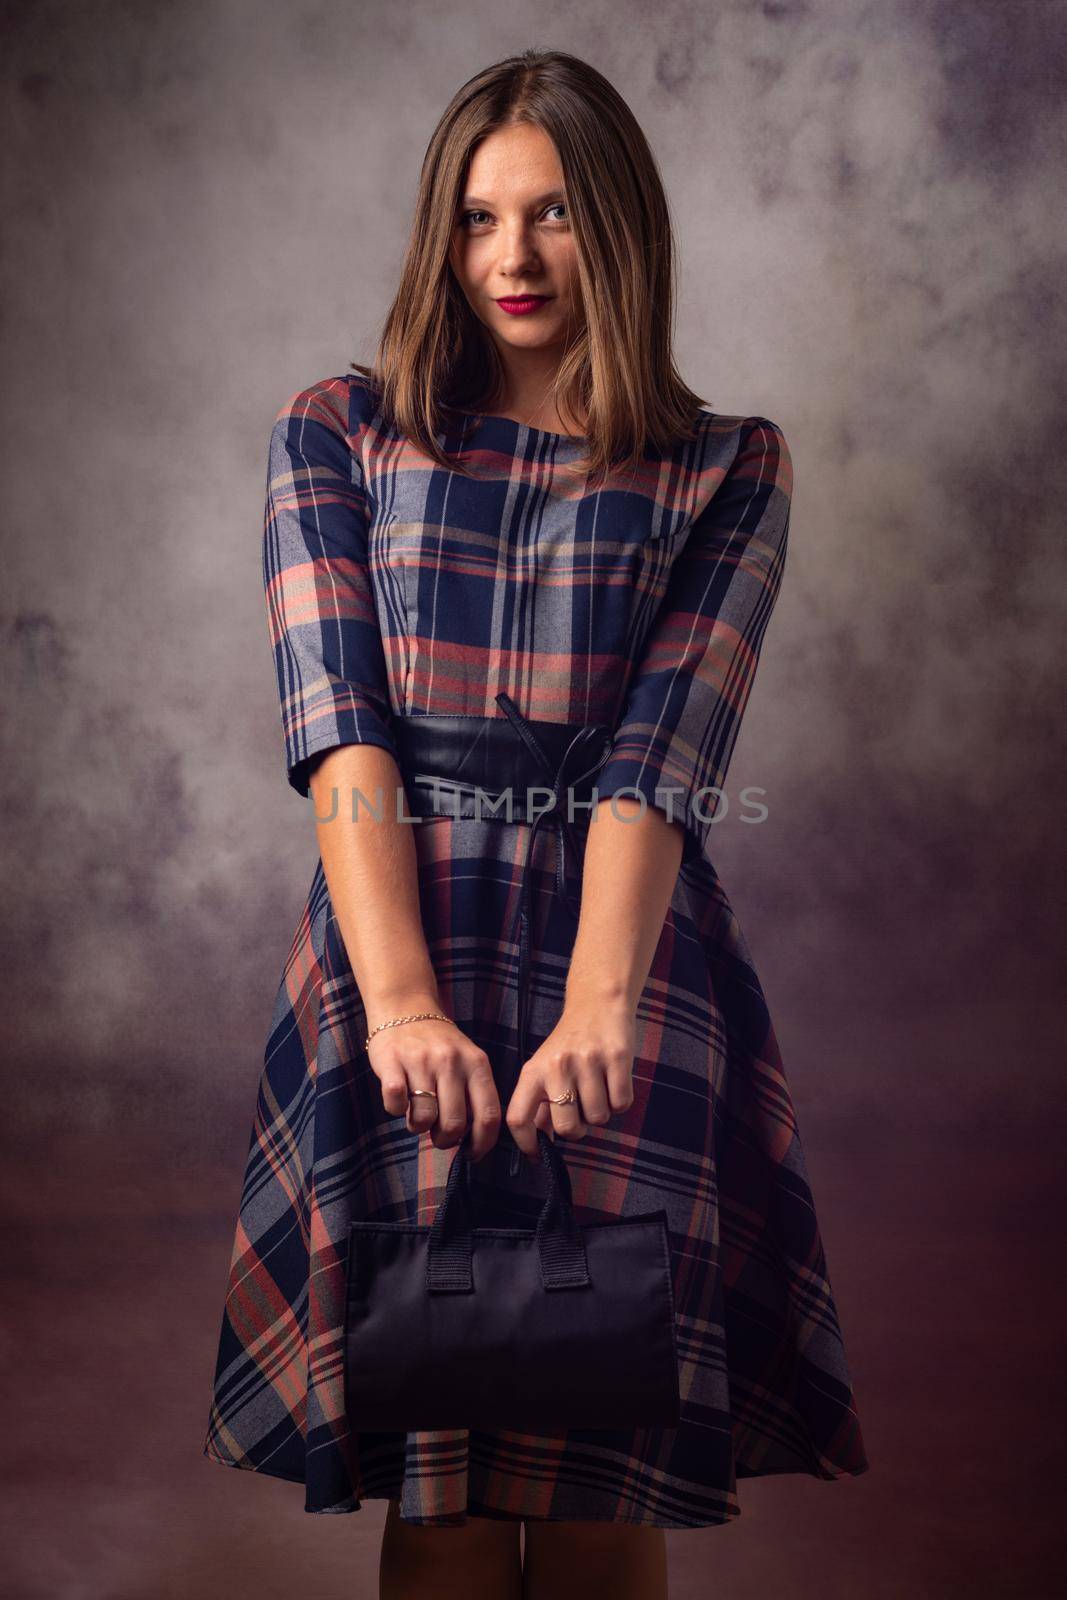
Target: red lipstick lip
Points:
(518, 305)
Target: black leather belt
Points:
(512, 769)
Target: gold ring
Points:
(413, 1092)
(567, 1098)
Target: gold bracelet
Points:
(394, 1022)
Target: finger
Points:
(485, 1112)
(422, 1111)
(451, 1122)
(522, 1112)
(543, 1119)
(394, 1084)
(566, 1120)
(620, 1081)
(593, 1094)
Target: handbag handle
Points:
(559, 1239)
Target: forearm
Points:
(372, 874)
(631, 866)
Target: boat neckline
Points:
(544, 433)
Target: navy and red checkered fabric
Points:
(395, 586)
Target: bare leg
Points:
(572, 1560)
(449, 1563)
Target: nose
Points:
(517, 253)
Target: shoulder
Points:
(343, 405)
(741, 451)
(720, 431)
(763, 444)
(740, 431)
(745, 478)
(751, 447)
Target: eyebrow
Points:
(540, 200)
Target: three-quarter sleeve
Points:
(328, 650)
(687, 693)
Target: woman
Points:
(521, 514)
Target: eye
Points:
(475, 218)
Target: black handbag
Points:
(543, 1329)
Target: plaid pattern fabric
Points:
(393, 586)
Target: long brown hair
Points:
(436, 362)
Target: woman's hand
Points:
(439, 1056)
(590, 1050)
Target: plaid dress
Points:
(395, 586)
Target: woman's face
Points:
(512, 238)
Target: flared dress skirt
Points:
(396, 586)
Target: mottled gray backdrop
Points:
(205, 206)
